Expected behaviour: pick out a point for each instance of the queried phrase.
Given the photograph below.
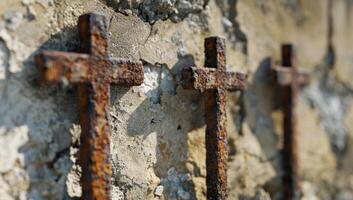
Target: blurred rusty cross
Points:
(290, 79)
(93, 71)
(215, 80)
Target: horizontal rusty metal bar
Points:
(54, 66)
(211, 78)
(126, 72)
(285, 75)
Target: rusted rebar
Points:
(215, 80)
(290, 79)
(93, 71)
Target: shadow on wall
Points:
(48, 175)
(46, 113)
(170, 113)
(261, 101)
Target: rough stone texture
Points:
(158, 128)
(152, 10)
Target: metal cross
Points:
(290, 79)
(93, 71)
(215, 80)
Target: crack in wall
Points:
(232, 26)
(4, 59)
(330, 96)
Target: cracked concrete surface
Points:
(158, 128)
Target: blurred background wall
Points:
(158, 128)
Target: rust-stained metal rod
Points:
(93, 71)
(290, 79)
(215, 80)
(290, 151)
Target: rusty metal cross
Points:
(93, 71)
(215, 80)
(290, 79)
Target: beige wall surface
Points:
(158, 128)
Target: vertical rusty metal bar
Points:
(289, 101)
(95, 142)
(216, 134)
(93, 100)
(93, 32)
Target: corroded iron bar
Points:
(211, 78)
(289, 77)
(125, 72)
(290, 156)
(94, 153)
(93, 71)
(215, 116)
(54, 66)
(215, 81)
(285, 76)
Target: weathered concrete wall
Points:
(158, 127)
